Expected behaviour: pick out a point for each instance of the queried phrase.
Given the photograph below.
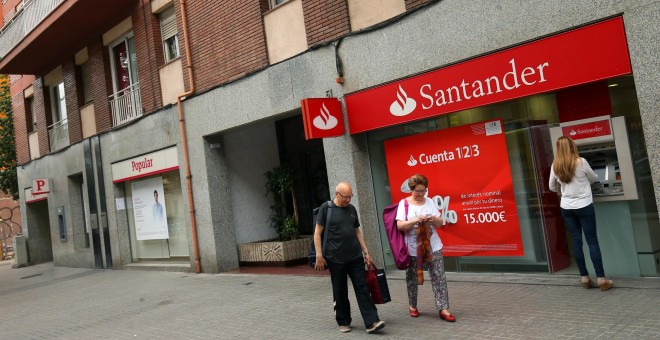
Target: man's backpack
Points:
(396, 237)
(311, 256)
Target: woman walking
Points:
(574, 176)
(416, 216)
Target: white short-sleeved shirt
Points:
(413, 211)
(577, 193)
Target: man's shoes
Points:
(345, 329)
(375, 326)
(447, 317)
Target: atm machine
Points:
(603, 142)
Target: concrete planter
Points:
(275, 253)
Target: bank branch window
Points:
(529, 126)
(154, 207)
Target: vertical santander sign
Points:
(594, 52)
(470, 181)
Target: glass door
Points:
(124, 63)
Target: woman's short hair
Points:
(416, 180)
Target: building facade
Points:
(151, 125)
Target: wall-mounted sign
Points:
(470, 181)
(31, 197)
(145, 165)
(592, 130)
(594, 52)
(149, 209)
(322, 117)
(40, 186)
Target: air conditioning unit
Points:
(20, 251)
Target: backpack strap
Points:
(405, 204)
(325, 229)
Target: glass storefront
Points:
(527, 123)
(175, 247)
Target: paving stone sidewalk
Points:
(46, 302)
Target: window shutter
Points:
(168, 23)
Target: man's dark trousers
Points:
(355, 270)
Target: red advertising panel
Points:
(322, 117)
(591, 53)
(470, 181)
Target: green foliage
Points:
(279, 182)
(8, 178)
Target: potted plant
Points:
(289, 248)
(279, 183)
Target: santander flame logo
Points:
(572, 133)
(412, 161)
(403, 105)
(325, 121)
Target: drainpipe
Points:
(182, 124)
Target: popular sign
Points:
(470, 181)
(40, 186)
(31, 197)
(146, 165)
(591, 53)
(322, 117)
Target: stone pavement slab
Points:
(72, 303)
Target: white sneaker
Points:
(376, 326)
(345, 329)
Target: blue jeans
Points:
(584, 220)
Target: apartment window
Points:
(30, 119)
(169, 33)
(86, 74)
(58, 102)
(274, 3)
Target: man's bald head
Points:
(343, 194)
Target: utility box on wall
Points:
(20, 251)
(61, 223)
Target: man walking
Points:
(345, 254)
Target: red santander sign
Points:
(322, 117)
(598, 128)
(594, 52)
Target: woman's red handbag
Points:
(377, 282)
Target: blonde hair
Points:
(416, 180)
(566, 159)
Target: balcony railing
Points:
(23, 22)
(58, 135)
(126, 105)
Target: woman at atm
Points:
(572, 174)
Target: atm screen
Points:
(602, 173)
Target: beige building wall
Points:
(171, 81)
(33, 140)
(118, 31)
(285, 31)
(88, 121)
(365, 13)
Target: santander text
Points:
(477, 88)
